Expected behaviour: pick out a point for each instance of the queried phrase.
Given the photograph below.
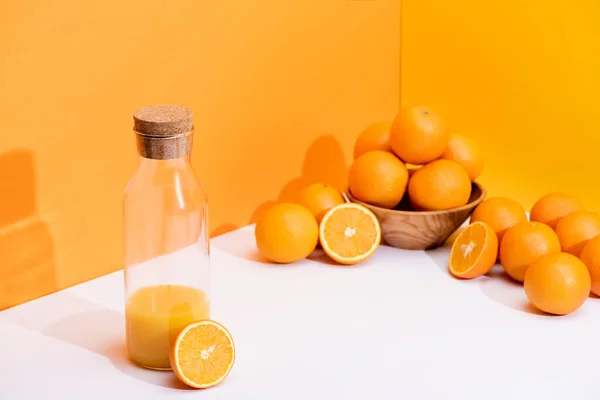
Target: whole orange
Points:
(552, 207)
(500, 213)
(319, 198)
(465, 151)
(524, 244)
(557, 283)
(286, 233)
(418, 135)
(575, 229)
(439, 185)
(378, 178)
(375, 137)
(590, 255)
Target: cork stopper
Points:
(163, 131)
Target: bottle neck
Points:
(164, 148)
(172, 163)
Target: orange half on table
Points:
(474, 251)
(349, 233)
(203, 354)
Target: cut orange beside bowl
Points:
(203, 354)
(474, 251)
(349, 233)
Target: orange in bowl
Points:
(418, 135)
(378, 178)
(375, 137)
(439, 185)
(465, 151)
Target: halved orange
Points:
(203, 354)
(474, 251)
(349, 233)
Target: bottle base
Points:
(155, 368)
(150, 367)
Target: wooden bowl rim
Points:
(467, 206)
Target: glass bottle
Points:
(166, 243)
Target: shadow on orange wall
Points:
(323, 163)
(27, 267)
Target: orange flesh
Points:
(350, 233)
(467, 248)
(204, 355)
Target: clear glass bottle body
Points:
(167, 257)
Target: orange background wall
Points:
(520, 76)
(276, 87)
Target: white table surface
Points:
(396, 327)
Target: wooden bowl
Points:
(405, 228)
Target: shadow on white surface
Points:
(241, 244)
(496, 284)
(89, 326)
(321, 257)
(244, 248)
(103, 332)
(501, 288)
(440, 257)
